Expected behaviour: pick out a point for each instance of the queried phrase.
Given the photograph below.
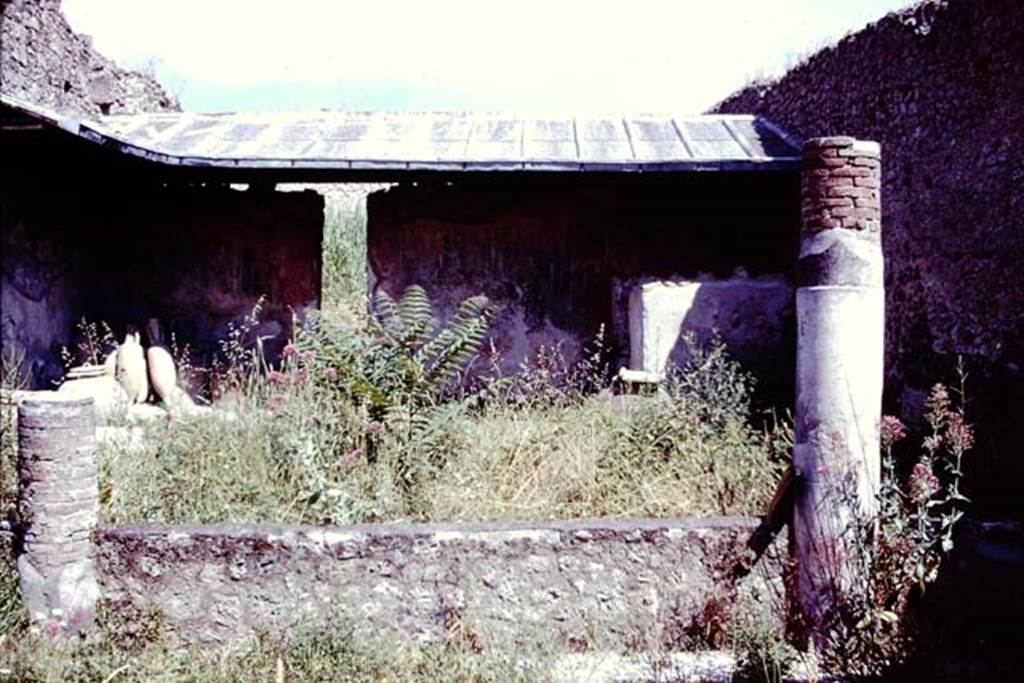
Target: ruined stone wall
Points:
(941, 87)
(43, 61)
(560, 255)
(648, 584)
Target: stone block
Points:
(829, 141)
(837, 179)
(852, 172)
(109, 398)
(842, 211)
(827, 162)
(750, 315)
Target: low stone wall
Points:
(565, 585)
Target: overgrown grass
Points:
(329, 655)
(299, 447)
(369, 420)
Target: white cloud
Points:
(555, 54)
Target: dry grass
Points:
(306, 451)
(591, 460)
(317, 656)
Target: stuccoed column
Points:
(58, 501)
(840, 353)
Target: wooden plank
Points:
(779, 514)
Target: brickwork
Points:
(58, 502)
(840, 304)
(840, 185)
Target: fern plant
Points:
(400, 365)
(439, 352)
(402, 355)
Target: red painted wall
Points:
(556, 253)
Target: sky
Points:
(638, 56)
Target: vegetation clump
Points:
(375, 418)
(876, 628)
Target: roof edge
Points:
(98, 133)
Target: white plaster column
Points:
(840, 304)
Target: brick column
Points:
(58, 501)
(840, 354)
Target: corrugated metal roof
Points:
(440, 141)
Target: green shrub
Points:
(696, 435)
(399, 356)
(344, 245)
(353, 427)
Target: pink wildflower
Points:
(51, 627)
(959, 434)
(331, 374)
(277, 377)
(892, 430)
(308, 357)
(78, 618)
(937, 405)
(932, 443)
(355, 455)
(288, 350)
(923, 483)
